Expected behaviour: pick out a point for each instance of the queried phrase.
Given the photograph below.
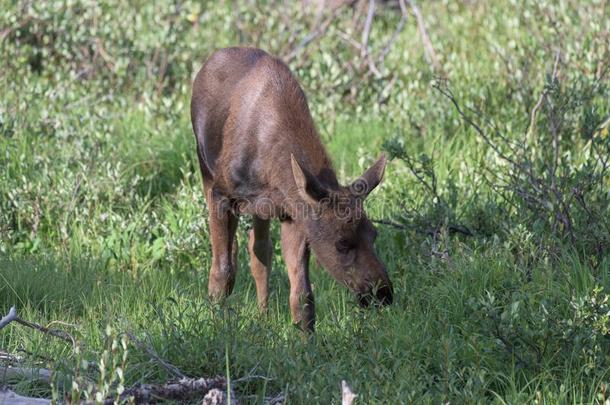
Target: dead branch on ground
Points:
(10, 373)
(8, 397)
(181, 390)
(147, 347)
(347, 396)
(60, 334)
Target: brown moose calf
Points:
(260, 154)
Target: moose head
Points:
(341, 235)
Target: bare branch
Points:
(12, 316)
(534, 112)
(391, 223)
(25, 373)
(314, 34)
(9, 358)
(8, 397)
(147, 347)
(181, 390)
(366, 32)
(347, 396)
(449, 94)
(397, 31)
(429, 52)
(364, 45)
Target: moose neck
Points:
(311, 178)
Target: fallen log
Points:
(347, 395)
(8, 397)
(9, 373)
(181, 390)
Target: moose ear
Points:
(366, 183)
(309, 187)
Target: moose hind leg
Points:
(223, 224)
(296, 256)
(260, 248)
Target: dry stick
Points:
(364, 45)
(451, 228)
(357, 45)
(429, 53)
(391, 223)
(534, 112)
(184, 389)
(381, 99)
(315, 33)
(173, 370)
(563, 214)
(25, 373)
(397, 31)
(287, 18)
(8, 397)
(9, 358)
(367, 28)
(347, 396)
(449, 94)
(12, 316)
(238, 23)
(278, 399)
(555, 134)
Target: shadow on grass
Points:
(42, 283)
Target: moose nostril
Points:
(385, 295)
(380, 296)
(364, 300)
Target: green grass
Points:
(429, 346)
(103, 223)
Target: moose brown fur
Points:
(260, 154)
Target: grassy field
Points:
(103, 224)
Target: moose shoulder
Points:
(260, 154)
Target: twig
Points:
(364, 45)
(383, 97)
(9, 358)
(315, 33)
(347, 396)
(239, 25)
(397, 31)
(391, 223)
(147, 347)
(251, 378)
(278, 399)
(12, 316)
(445, 91)
(534, 112)
(432, 231)
(366, 32)
(429, 53)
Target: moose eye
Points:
(343, 246)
